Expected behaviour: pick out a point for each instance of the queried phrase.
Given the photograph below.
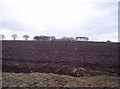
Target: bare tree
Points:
(14, 36)
(2, 36)
(26, 36)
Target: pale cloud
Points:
(60, 18)
(111, 36)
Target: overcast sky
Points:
(96, 19)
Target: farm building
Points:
(67, 39)
(44, 38)
(81, 38)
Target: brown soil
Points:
(34, 80)
(60, 57)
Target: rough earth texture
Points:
(60, 57)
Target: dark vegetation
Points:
(60, 57)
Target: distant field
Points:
(60, 57)
(54, 80)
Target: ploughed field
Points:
(75, 58)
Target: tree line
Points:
(14, 36)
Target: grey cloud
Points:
(93, 27)
(105, 5)
(104, 24)
(13, 25)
